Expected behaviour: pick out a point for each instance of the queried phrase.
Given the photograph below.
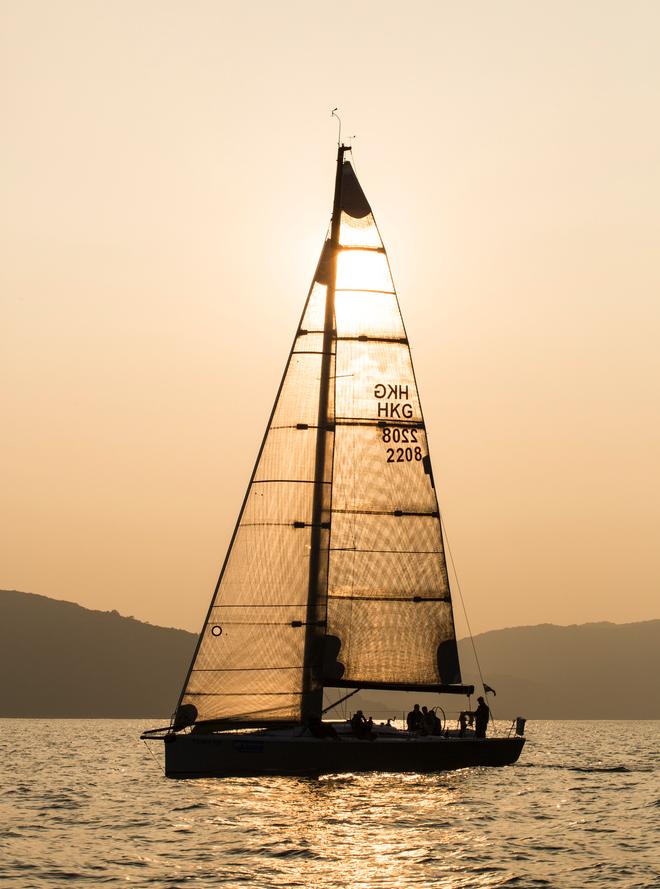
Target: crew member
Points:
(481, 717)
(414, 719)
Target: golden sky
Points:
(166, 172)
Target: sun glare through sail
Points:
(362, 269)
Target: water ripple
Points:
(87, 805)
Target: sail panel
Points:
(387, 557)
(246, 709)
(359, 232)
(247, 682)
(381, 469)
(298, 402)
(375, 381)
(288, 454)
(257, 660)
(398, 534)
(362, 313)
(363, 270)
(398, 578)
(277, 503)
(314, 313)
(392, 641)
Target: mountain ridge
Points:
(81, 662)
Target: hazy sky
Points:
(166, 172)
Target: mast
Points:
(312, 697)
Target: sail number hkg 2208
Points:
(389, 397)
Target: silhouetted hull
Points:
(205, 756)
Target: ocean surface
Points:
(85, 803)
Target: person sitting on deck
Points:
(414, 719)
(361, 728)
(358, 722)
(431, 724)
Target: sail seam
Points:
(294, 524)
(257, 605)
(418, 600)
(242, 694)
(363, 290)
(289, 481)
(244, 669)
(370, 421)
(295, 625)
(396, 552)
(310, 352)
(396, 340)
(397, 512)
(362, 338)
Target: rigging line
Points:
(460, 594)
(340, 700)
(151, 754)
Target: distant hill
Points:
(584, 671)
(58, 659)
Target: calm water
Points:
(84, 803)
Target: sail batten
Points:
(336, 572)
(438, 688)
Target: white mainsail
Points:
(336, 572)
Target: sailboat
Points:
(335, 576)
